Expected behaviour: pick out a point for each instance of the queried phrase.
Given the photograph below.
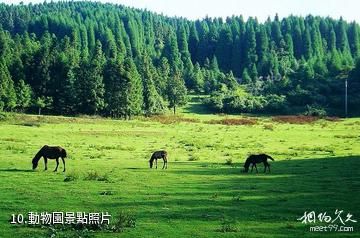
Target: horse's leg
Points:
(252, 167)
(156, 163)
(63, 160)
(256, 168)
(45, 161)
(267, 165)
(164, 163)
(57, 164)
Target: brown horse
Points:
(255, 159)
(50, 152)
(161, 154)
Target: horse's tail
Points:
(269, 157)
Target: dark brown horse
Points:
(50, 152)
(161, 154)
(255, 159)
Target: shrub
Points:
(93, 175)
(235, 101)
(228, 225)
(243, 103)
(194, 158)
(269, 127)
(276, 103)
(71, 177)
(3, 115)
(215, 101)
(106, 193)
(122, 221)
(229, 161)
(315, 111)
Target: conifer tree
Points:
(91, 85)
(7, 90)
(176, 92)
(153, 103)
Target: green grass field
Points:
(202, 194)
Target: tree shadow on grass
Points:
(196, 106)
(279, 197)
(342, 165)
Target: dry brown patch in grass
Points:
(295, 119)
(301, 119)
(334, 119)
(234, 121)
(119, 133)
(163, 119)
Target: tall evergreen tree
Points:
(224, 48)
(250, 44)
(132, 89)
(176, 92)
(341, 36)
(354, 40)
(91, 85)
(307, 44)
(7, 90)
(171, 52)
(153, 103)
(53, 48)
(23, 95)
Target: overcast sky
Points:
(195, 9)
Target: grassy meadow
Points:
(202, 194)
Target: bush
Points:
(276, 103)
(235, 101)
(269, 127)
(194, 158)
(93, 175)
(228, 225)
(243, 103)
(2, 115)
(229, 161)
(71, 177)
(315, 111)
(123, 220)
(215, 101)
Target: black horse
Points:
(50, 152)
(255, 159)
(161, 154)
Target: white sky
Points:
(195, 9)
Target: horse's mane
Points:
(39, 154)
(247, 162)
(152, 158)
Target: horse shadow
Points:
(17, 170)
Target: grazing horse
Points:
(255, 159)
(161, 154)
(50, 152)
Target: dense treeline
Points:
(93, 58)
